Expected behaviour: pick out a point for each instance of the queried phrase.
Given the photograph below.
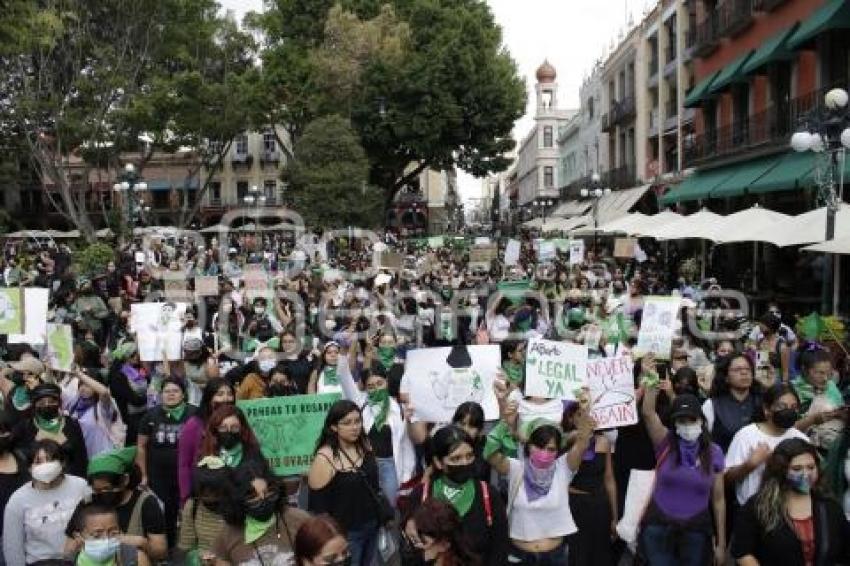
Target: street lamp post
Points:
(826, 133)
(544, 205)
(595, 191)
(255, 199)
(130, 182)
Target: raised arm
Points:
(657, 431)
(346, 381)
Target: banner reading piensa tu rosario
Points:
(288, 428)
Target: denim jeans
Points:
(554, 557)
(667, 545)
(388, 479)
(362, 544)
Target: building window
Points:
(191, 197)
(547, 136)
(548, 177)
(270, 190)
(242, 144)
(241, 190)
(215, 191)
(547, 99)
(590, 108)
(269, 142)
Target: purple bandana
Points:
(689, 452)
(537, 481)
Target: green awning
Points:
(743, 175)
(774, 49)
(794, 171)
(731, 73)
(697, 186)
(834, 15)
(700, 91)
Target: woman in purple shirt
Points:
(677, 524)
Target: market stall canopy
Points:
(663, 218)
(565, 224)
(697, 225)
(572, 208)
(807, 228)
(841, 246)
(623, 224)
(533, 223)
(617, 204)
(749, 225)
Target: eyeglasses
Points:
(740, 369)
(233, 429)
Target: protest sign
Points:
(60, 347)
(576, 252)
(483, 255)
(546, 251)
(482, 241)
(440, 379)
(562, 244)
(256, 283)
(656, 326)
(612, 391)
(288, 428)
(175, 286)
(512, 251)
(34, 312)
(206, 286)
(435, 242)
(390, 260)
(11, 310)
(159, 330)
(554, 370)
(624, 248)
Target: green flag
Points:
(812, 326)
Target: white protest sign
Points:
(159, 329)
(546, 251)
(482, 241)
(612, 391)
(512, 252)
(35, 317)
(576, 252)
(60, 347)
(554, 370)
(440, 379)
(656, 326)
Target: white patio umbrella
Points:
(563, 224)
(841, 246)
(697, 225)
(663, 218)
(748, 225)
(533, 223)
(808, 228)
(622, 224)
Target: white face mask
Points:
(689, 432)
(266, 365)
(102, 549)
(46, 472)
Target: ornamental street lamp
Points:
(825, 131)
(596, 192)
(543, 205)
(130, 182)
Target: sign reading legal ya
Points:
(554, 370)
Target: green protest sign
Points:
(288, 428)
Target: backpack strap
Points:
(135, 526)
(488, 506)
(426, 489)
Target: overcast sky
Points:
(572, 34)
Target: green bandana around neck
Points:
(255, 529)
(84, 559)
(51, 426)
(175, 413)
(379, 399)
(386, 356)
(458, 496)
(501, 439)
(329, 376)
(513, 371)
(806, 392)
(232, 457)
(20, 398)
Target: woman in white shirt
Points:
(539, 514)
(325, 378)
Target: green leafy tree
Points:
(329, 179)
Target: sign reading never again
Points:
(288, 428)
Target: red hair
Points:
(313, 535)
(210, 446)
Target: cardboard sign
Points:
(288, 428)
(555, 370)
(512, 251)
(60, 347)
(576, 252)
(175, 286)
(206, 286)
(438, 384)
(483, 255)
(624, 248)
(256, 284)
(391, 260)
(612, 394)
(656, 327)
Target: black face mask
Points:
(262, 510)
(785, 418)
(281, 390)
(460, 474)
(48, 413)
(411, 555)
(228, 440)
(6, 443)
(111, 498)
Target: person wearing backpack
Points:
(99, 538)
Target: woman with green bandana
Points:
(821, 403)
(49, 423)
(261, 527)
(325, 379)
(513, 363)
(480, 506)
(18, 380)
(99, 537)
(382, 359)
(229, 436)
(159, 433)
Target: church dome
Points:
(546, 73)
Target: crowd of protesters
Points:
(124, 462)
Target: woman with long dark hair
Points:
(734, 401)
(324, 378)
(790, 520)
(229, 436)
(128, 383)
(689, 490)
(433, 535)
(217, 393)
(343, 480)
(321, 542)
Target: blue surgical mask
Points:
(800, 482)
(101, 549)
